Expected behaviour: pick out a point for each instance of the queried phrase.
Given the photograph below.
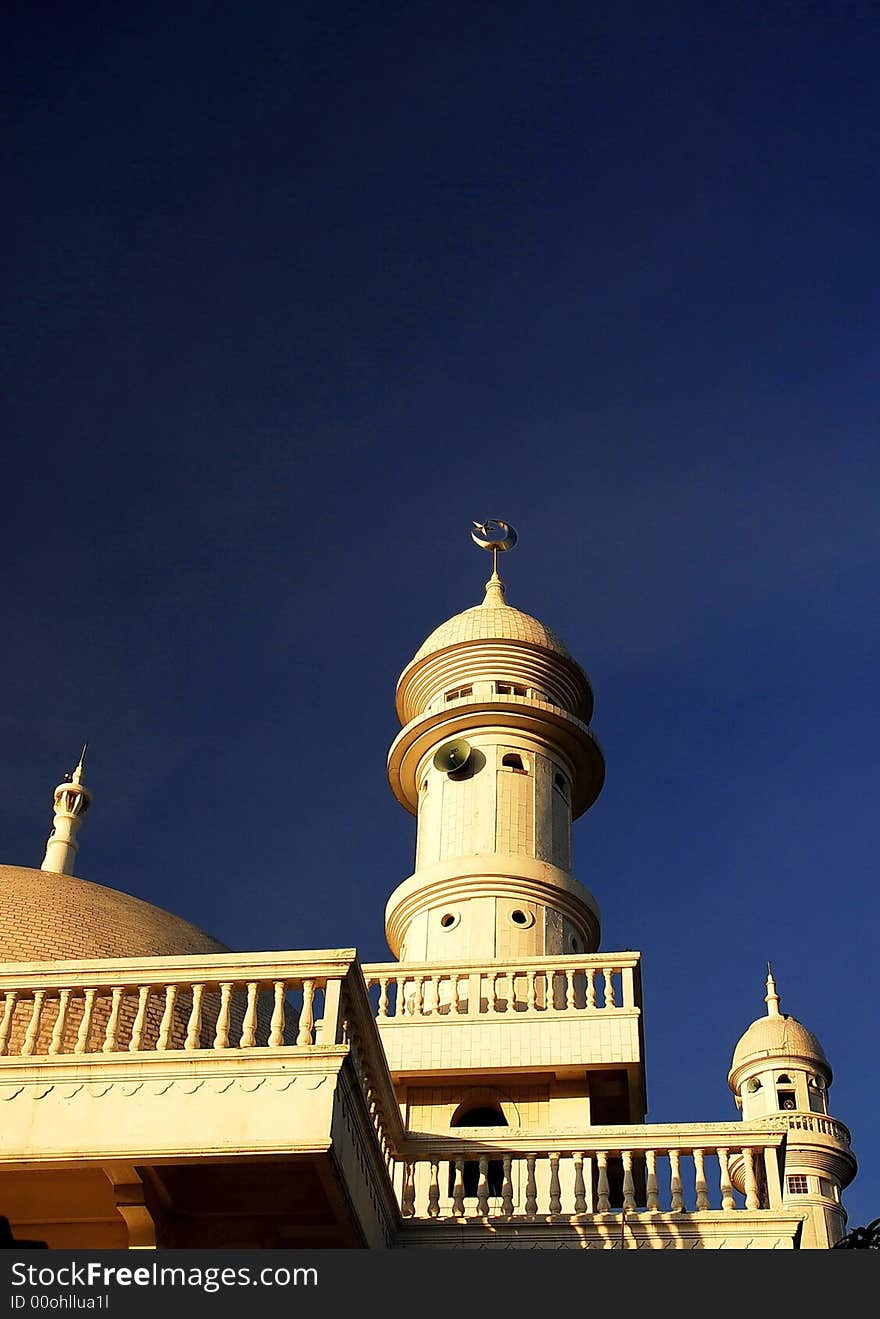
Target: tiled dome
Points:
(49, 917)
(488, 623)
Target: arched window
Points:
(785, 1097)
(481, 1116)
(513, 760)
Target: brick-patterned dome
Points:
(48, 917)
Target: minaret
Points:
(72, 800)
(495, 759)
(780, 1068)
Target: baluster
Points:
(727, 1200)
(434, 1191)
(221, 1032)
(569, 990)
(555, 1194)
(603, 1203)
(30, 1038)
(591, 986)
(408, 1196)
(276, 1025)
(677, 1202)
(458, 1189)
(700, 1181)
(507, 1188)
(109, 1045)
(306, 1032)
(508, 991)
(531, 1187)
(137, 1030)
(772, 1198)
(249, 1025)
(194, 1025)
(580, 1190)
(553, 978)
(58, 1032)
(609, 986)
(82, 1038)
(475, 994)
(751, 1184)
(400, 997)
(6, 1024)
(383, 998)
(460, 1001)
(493, 992)
(652, 1198)
(167, 1018)
(432, 997)
(483, 1186)
(531, 997)
(629, 1196)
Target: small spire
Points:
(771, 998)
(77, 775)
(494, 592)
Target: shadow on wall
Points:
(9, 1242)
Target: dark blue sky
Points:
(293, 293)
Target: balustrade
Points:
(199, 1007)
(133, 1018)
(593, 983)
(819, 1124)
(205, 1012)
(551, 1183)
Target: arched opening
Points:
(785, 1097)
(483, 1115)
(513, 760)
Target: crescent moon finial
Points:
(494, 535)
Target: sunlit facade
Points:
(485, 1088)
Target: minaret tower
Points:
(780, 1068)
(72, 800)
(495, 759)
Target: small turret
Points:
(779, 1067)
(72, 800)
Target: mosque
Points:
(484, 1089)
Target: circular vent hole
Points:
(448, 920)
(519, 917)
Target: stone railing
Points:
(654, 1170)
(818, 1123)
(207, 1008)
(537, 986)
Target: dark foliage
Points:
(861, 1238)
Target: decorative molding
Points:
(96, 1090)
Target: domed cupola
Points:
(778, 1065)
(495, 758)
(779, 1070)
